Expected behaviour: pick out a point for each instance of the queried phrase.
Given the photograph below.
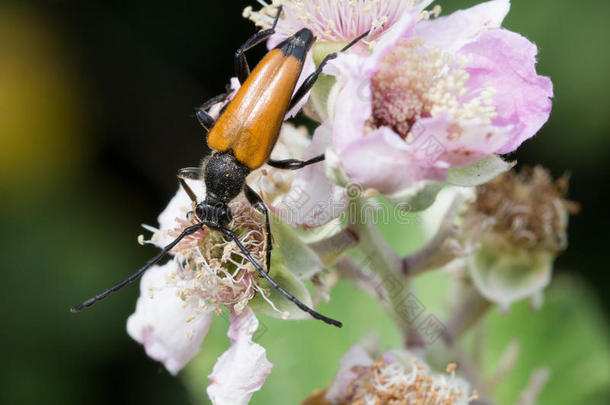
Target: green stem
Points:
(332, 248)
(468, 311)
(381, 259)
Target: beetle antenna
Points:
(355, 41)
(188, 231)
(274, 283)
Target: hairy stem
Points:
(381, 259)
(332, 248)
(470, 308)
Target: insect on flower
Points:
(242, 139)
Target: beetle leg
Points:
(258, 203)
(242, 69)
(274, 284)
(191, 173)
(205, 119)
(294, 164)
(311, 79)
(216, 99)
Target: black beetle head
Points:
(213, 212)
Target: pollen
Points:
(212, 271)
(415, 82)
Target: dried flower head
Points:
(525, 209)
(519, 222)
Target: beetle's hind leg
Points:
(242, 69)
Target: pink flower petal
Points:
(456, 143)
(507, 60)
(243, 368)
(351, 111)
(162, 321)
(385, 162)
(451, 32)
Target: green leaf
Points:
(298, 258)
(290, 283)
(479, 173)
(416, 198)
(323, 86)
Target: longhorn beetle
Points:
(241, 140)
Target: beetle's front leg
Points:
(258, 203)
(242, 69)
(191, 173)
(294, 164)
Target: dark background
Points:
(96, 103)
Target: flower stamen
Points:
(415, 82)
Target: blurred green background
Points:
(96, 102)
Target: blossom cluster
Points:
(423, 103)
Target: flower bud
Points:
(525, 216)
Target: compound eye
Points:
(200, 212)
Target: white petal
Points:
(178, 207)
(356, 356)
(162, 321)
(243, 368)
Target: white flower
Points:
(177, 300)
(334, 20)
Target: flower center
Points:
(335, 20)
(392, 383)
(212, 270)
(415, 82)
